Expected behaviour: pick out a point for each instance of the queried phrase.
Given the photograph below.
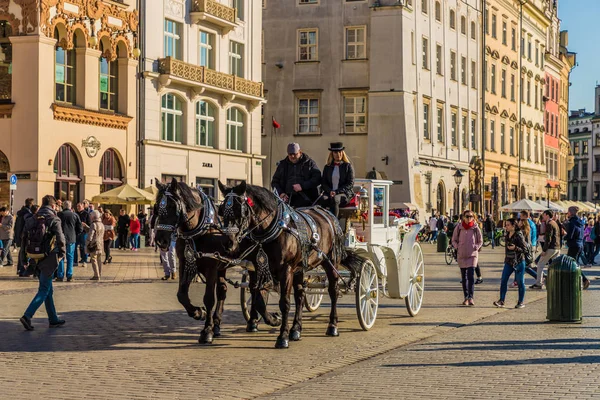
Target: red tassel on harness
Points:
(250, 202)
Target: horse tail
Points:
(353, 261)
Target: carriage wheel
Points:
(313, 301)
(367, 295)
(246, 299)
(414, 299)
(449, 255)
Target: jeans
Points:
(167, 259)
(134, 240)
(490, 236)
(83, 257)
(70, 256)
(575, 253)
(44, 295)
(6, 253)
(468, 281)
(434, 236)
(519, 271)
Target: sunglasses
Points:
(468, 216)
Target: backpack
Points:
(37, 245)
(440, 224)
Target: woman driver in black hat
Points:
(338, 179)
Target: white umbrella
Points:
(523, 205)
(553, 206)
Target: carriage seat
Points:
(352, 204)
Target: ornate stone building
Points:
(67, 97)
(202, 93)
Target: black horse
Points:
(191, 215)
(287, 243)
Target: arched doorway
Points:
(523, 193)
(68, 177)
(110, 171)
(441, 198)
(4, 183)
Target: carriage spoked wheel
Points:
(313, 301)
(414, 299)
(246, 299)
(367, 295)
(449, 255)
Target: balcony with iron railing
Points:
(214, 12)
(206, 78)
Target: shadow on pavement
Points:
(496, 363)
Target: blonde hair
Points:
(344, 158)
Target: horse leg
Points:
(184, 299)
(299, 294)
(259, 306)
(221, 296)
(284, 306)
(333, 295)
(207, 335)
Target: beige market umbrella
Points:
(523, 205)
(152, 190)
(124, 194)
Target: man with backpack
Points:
(44, 244)
(22, 215)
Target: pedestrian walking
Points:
(514, 261)
(109, 223)
(84, 217)
(433, 229)
(489, 227)
(7, 236)
(467, 240)
(72, 228)
(588, 242)
(168, 260)
(574, 239)
(134, 230)
(94, 244)
(123, 229)
(22, 215)
(550, 247)
(44, 242)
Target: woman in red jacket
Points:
(134, 230)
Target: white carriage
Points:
(394, 267)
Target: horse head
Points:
(236, 213)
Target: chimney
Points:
(597, 101)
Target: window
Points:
(493, 135)
(493, 78)
(528, 92)
(473, 30)
(465, 139)
(308, 115)
(440, 124)
(425, 51)
(473, 74)
(438, 59)
(575, 193)
(236, 60)
(66, 168)
(529, 48)
(512, 87)
(537, 54)
(172, 118)
(426, 126)
(355, 114)
(64, 74)
(487, 21)
(535, 103)
(424, 8)
(463, 70)
(584, 169)
(205, 124)
(522, 90)
(453, 128)
(463, 25)
(528, 146)
(438, 11)
(412, 48)
(206, 54)
(109, 83)
(494, 23)
(503, 83)
(452, 19)
(355, 43)
(502, 138)
(584, 148)
(309, 1)
(536, 154)
(504, 33)
(576, 148)
(207, 185)
(513, 39)
(596, 191)
(512, 141)
(308, 45)
(235, 129)
(473, 133)
(239, 9)
(172, 39)
(453, 65)
(584, 193)
(110, 171)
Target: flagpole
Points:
(271, 148)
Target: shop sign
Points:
(91, 146)
(207, 165)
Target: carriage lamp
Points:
(364, 200)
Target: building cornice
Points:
(201, 149)
(90, 117)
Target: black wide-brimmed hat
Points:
(336, 146)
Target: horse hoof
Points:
(276, 319)
(205, 338)
(199, 314)
(251, 327)
(332, 331)
(295, 335)
(282, 343)
(217, 331)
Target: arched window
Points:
(109, 82)
(66, 168)
(452, 19)
(235, 129)
(438, 11)
(473, 30)
(463, 25)
(424, 7)
(205, 124)
(172, 119)
(5, 61)
(110, 171)
(64, 72)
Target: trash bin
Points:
(442, 242)
(564, 290)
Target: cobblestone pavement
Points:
(133, 340)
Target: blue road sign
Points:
(13, 179)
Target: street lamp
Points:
(458, 176)
(548, 188)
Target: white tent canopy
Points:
(553, 206)
(523, 205)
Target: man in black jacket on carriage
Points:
(297, 178)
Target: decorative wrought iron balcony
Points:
(214, 12)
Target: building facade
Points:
(397, 82)
(580, 138)
(67, 97)
(202, 92)
(566, 161)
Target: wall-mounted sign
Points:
(91, 146)
(23, 176)
(207, 165)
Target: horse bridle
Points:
(247, 214)
(179, 213)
